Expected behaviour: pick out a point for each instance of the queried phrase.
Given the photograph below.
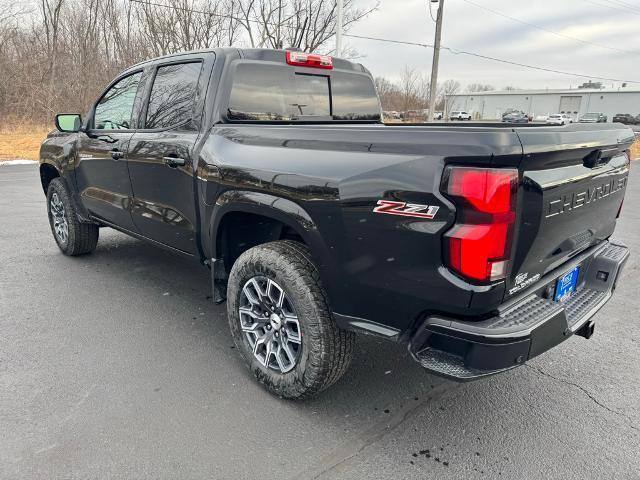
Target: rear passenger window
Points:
(173, 95)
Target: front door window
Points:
(115, 108)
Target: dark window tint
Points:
(354, 97)
(311, 96)
(262, 92)
(173, 95)
(113, 111)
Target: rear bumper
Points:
(524, 327)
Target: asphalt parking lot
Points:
(117, 365)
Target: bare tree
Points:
(479, 87)
(50, 10)
(414, 89)
(64, 55)
(305, 24)
(389, 93)
(447, 90)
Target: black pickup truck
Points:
(480, 246)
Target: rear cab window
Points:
(272, 92)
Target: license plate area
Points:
(566, 285)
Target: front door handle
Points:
(102, 138)
(174, 162)
(116, 154)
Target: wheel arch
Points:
(48, 172)
(232, 231)
(276, 217)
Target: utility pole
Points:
(433, 86)
(339, 25)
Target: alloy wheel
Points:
(59, 217)
(270, 324)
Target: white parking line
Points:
(17, 162)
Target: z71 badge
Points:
(404, 209)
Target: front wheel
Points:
(281, 322)
(72, 236)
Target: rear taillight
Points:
(478, 246)
(301, 59)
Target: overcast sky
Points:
(467, 27)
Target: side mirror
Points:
(68, 122)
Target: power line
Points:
(401, 42)
(213, 14)
(495, 59)
(624, 5)
(533, 67)
(558, 34)
(611, 6)
(388, 40)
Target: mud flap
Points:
(218, 281)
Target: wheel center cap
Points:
(276, 321)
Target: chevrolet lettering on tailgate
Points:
(570, 201)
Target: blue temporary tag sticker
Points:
(566, 285)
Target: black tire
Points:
(325, 351)
(81, 237)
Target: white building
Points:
(540, 103)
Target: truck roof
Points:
(259, 54)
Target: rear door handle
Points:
(116, 154)
(174, 162)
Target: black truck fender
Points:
(57, 161)
(242, 219)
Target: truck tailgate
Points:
(573, 183)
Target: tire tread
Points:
(83, 237)
(335, 347)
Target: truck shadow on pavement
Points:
(378, 365)
(386, 405)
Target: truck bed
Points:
(336, 173)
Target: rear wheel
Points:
(72, 236)
(281, 322)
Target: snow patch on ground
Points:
(17, 162)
